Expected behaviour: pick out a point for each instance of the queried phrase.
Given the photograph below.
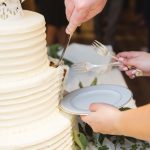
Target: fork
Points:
(102, 49)
(86, 66)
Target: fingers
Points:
(69, 8)
(131, 73)
(80, 11)
(93, 108)
(71, 28)
(85, 118)
(127, 63)
(75, 21)
(92, 13)
(123, 68)
(130, 62)
(78, 16)
(130, 54)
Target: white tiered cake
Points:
(30, 89)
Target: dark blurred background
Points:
(123, 24)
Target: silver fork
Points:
(86, 66)
(102, 49)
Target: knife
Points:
(64, 50)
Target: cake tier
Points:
(25, 101)
(23, 50)
(29, 89)
(51, 133)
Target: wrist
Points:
(118, 123)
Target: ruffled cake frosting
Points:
(30, 89)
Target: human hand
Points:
(103, 119)
(79, 11)
(139, 60)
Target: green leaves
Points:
(103, 148)
(94, 82)
(124, 108)
(53, 50)
(80, 139)
(86, 135)
(80, 85)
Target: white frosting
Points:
(46, 133)
(23, 46)
(28, 22)
(24, 100)
(30, 89)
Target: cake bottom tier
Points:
(51, 133)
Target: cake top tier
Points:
(23, 50)
(10, 9)
(27, 22)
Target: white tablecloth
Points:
(111, 76)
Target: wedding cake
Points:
(30, 89)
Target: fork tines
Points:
(80, 67)
(97, 44)
(100, 48)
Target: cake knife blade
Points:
(64, 50)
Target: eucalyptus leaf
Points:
(96, 139)
(94, 82)
(53, 50)
(103, 148)
(81, 85)
(67, 62)
(80, 139)
(124, 108)
(134, 147)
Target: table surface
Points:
(111, 76)
(79, 53)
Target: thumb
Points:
(73, 22)
(69, 8)
(94, 107)
(85, 118)
(127, 54)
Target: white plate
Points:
(78, 101)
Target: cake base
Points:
(51, 133)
